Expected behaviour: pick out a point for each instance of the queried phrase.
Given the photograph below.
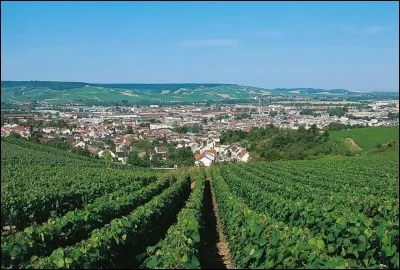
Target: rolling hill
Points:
(67, 92)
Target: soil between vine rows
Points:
(209, 253)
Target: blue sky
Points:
(350, 45)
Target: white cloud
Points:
(210, 43)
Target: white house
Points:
(80, 144)
(161, 150)
(159, 126)
(243, 156)
(65, 131)
(193, 146)
(48, 129)
(205, 161)
(100, 154)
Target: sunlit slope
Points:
(368, 138)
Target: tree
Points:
(141, 145)
(181, 157)
(107, 156)
(273, 113)
(15, 135)
(313, 129)
(393, 116)
(110, 143)
(134, 159)
(129, 130)
(156, 161)
(81, 151)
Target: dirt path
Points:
(213, 250)
(352, 143)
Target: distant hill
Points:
(70, 85)
(67, 92)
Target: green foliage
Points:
(339, 111)
(58, 143)
(107, 156)
(60, 123)
(110, 143)
(180, 157)
(307, 112)
(272, 143)
(273, 113)
(135, 160)
(188, 128)
(129, 130)
(156, 161)
(393, 116)
(350, 116)
(243, 116)
(81, 151)
(368, 138)
(346, 218)
(39, 181)
(142, 145)
(14, 135)
(56, 232)
(127, 236)
(179, 249)
(333, 126)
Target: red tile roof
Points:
(213, 151)
(197, 157)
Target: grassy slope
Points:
(368, 138)
(57, 92)
(117, 94)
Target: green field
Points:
(68, 211)
(368, 138)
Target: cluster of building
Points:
(91, 127)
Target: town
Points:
(118, 129)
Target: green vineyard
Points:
(62, 210)
(335, 213)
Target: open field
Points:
(368, 138)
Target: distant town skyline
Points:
(328, 45)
